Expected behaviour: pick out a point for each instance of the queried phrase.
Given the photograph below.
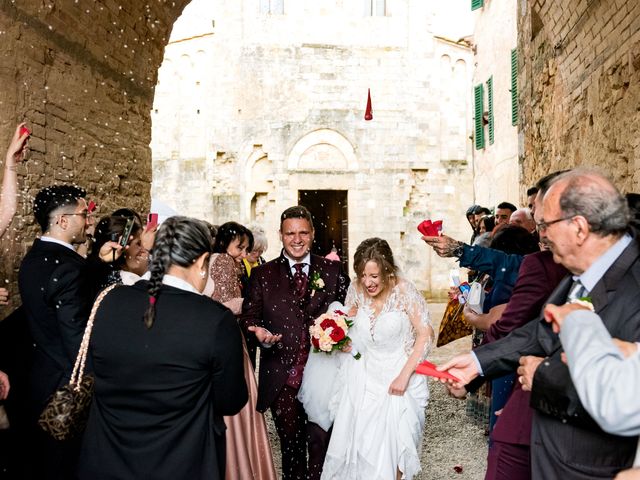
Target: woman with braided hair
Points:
(168, 366)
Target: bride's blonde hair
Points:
(375, 250)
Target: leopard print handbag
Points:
(67, 411)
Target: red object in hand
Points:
(24, 130)
(429, 369)
(430, 229)
(91, 207)
(152, 221)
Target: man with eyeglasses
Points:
(537, 276)
(585, 224)
(52, 282)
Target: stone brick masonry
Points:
(580, 87)
(82, 74)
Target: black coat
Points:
(160, 393)
(53, 285)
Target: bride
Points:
(378, 402)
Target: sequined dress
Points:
(248, 450)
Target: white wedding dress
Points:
(375, 433)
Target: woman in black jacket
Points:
(168, 365)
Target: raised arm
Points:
(607, 383)
(9, 193)
(498, 265)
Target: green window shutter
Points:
(490, 100)
(514, 87)
(476, 4)
(478, 95)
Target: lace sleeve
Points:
(223, 273)
(352, 297)
(416, 308)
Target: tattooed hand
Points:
(445, 246)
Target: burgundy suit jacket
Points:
(539, 275)
(270, 303)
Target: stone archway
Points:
(82, 75)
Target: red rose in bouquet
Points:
(329, 332)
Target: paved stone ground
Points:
(450, 438)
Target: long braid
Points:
(161, 260)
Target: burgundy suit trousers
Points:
(296, 436)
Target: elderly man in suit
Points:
(52, 286)
(585, 221)
(285, 295)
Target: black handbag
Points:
(67, 410)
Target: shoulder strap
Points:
(78, 368)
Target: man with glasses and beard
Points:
(52, 285)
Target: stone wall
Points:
(82, 75)
(580, 87)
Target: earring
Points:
(203, 273)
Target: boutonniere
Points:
(584, 302)
(316, 283)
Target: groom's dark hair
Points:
(297, 211)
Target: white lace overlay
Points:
(404, 298)
(375, 433)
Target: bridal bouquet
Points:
(329, 333)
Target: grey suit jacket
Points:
(566, 441)
(607, 383)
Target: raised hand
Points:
(17, 147)
(110, 251)
(443, 245)
(462, 366)
(148, 236)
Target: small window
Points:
(375, 8)
(273, 7)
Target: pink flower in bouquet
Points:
(329, 332)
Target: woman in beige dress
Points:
(248, 450)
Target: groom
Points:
(284, 297)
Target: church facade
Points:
(261, 105)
